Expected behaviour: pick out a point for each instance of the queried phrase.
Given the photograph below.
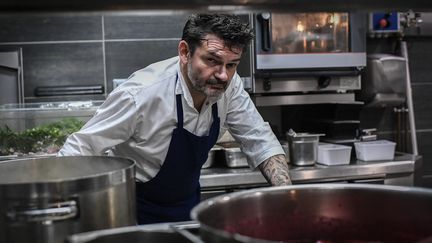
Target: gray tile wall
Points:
(420, 57)
(69, 49)
(93, 48)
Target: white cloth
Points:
(138, 117)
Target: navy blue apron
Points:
(175, 190)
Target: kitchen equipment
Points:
(19, 117)
(375, 150)
(45, 199)
(303, 147)
(68, 90)
(150, 233)
(318, 213)
(285, 147)
(384, 81)
(233, 156)
(333, 154)
(11, 75)
(330, 40)
(307, 58)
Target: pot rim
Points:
(195, 212)
(70, 185)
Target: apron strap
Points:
(215, 111)
(179, 111)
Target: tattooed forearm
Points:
(275, 170)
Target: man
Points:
(168, 116)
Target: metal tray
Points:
(233, 156)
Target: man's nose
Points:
(221, 73)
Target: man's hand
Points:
(275, 170)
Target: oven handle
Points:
(265, 31)
(310, 73)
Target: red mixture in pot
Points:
(301, 229)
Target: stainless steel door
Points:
(11, 76)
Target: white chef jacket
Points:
(138, 117)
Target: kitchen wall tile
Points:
(62, 64)
(144, 26)
(124, 58)
(420, 58)
(50, 27)
(424, 140)
(422, 101)
(427, 182)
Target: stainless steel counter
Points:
(400, 171)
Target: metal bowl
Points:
(318, 212)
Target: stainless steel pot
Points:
(303, 148)
(47, 199)
(318, 213)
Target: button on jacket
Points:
(138, 117)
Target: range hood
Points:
(216, 5)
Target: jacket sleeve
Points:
(247, 126)
(113, 123)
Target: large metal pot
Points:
(318, 213)
(46, 199)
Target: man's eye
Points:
(232, 65)
(211, 60)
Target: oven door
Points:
(308, 58)
(312, 41)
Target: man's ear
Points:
(183, 51)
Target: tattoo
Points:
(275, 170)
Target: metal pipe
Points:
(398, 129)
(404, 52)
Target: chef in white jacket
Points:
(168, 116)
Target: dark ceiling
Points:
(216, 5)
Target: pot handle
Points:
(53, 212)
(183, 230)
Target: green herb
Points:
(45, 138)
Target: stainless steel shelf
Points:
(399, 171)
(275, 100)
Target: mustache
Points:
(214, 81)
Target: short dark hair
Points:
(227, 27)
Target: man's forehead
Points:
(215, 44)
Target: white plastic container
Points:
(333, 154)
(375, 150)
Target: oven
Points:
(307, 58)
